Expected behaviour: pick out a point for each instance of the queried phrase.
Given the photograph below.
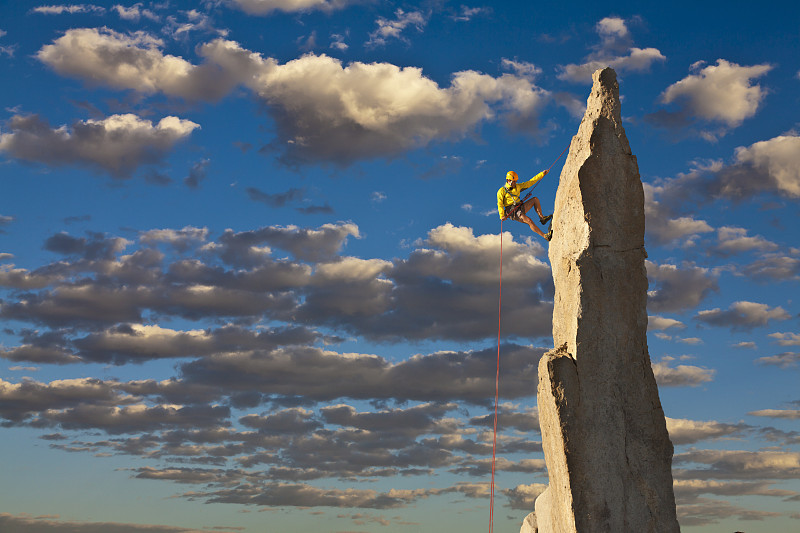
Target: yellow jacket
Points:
(511, 196)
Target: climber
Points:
(509, 204)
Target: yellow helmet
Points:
(512, 175)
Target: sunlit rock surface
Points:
(604, 434)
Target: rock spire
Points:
(604, 435)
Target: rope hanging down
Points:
(497, 375)
(496, 383)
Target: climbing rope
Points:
(497, 375)
(559, 157)
(496, 383)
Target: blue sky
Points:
(249, 257)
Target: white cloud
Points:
(612, 28)
(180, 239)
(343, 113)
(323, 109)
(779, 159)
(682, 431)
(523, 69)
(615, 50)
(680, 375)
(134, 61)
(135, 12)
(770, 166)
(522, 497)
(265, 7)
(791, 414)
(786, 339)
(674, 229)
(350, 269)
(739, 464)
(691, 488)
(783, 360)
(117, 144)
(743, 315)
(750, 345)
(69, 9)
(20, 278)
(393, 29)
(721, 92)
(467, 13)
(338, 42)
(774, 267)
(659, 323)
(735, 240)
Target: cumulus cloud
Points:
(107, 285)
(522, 497)
(21, 401)
(721, 93)
(739, 464)
(783, 360)
(786, 339)
(181, 239)
(733, 240)
(773, 267)
(323, 375)
(135, 61)
(615, 50)
(118, 144)
(674, 288)
(682, 431)
(323, 243)
(510, 416)
(776, 161)
(680, 375)
(660, 323)
(696, 509)
(20, 278)
(742, 315)
(765, 167)
(663, 227)
(368, 110)
(323, 110)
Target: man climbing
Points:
(509, 204)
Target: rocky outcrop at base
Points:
(604, 434)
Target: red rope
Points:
(559, 157)
(496, 383)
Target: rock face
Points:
(604, 434)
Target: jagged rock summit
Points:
(604, 434)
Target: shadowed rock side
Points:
(604, 435)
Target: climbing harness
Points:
(497, 374)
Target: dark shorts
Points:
(517, 213)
